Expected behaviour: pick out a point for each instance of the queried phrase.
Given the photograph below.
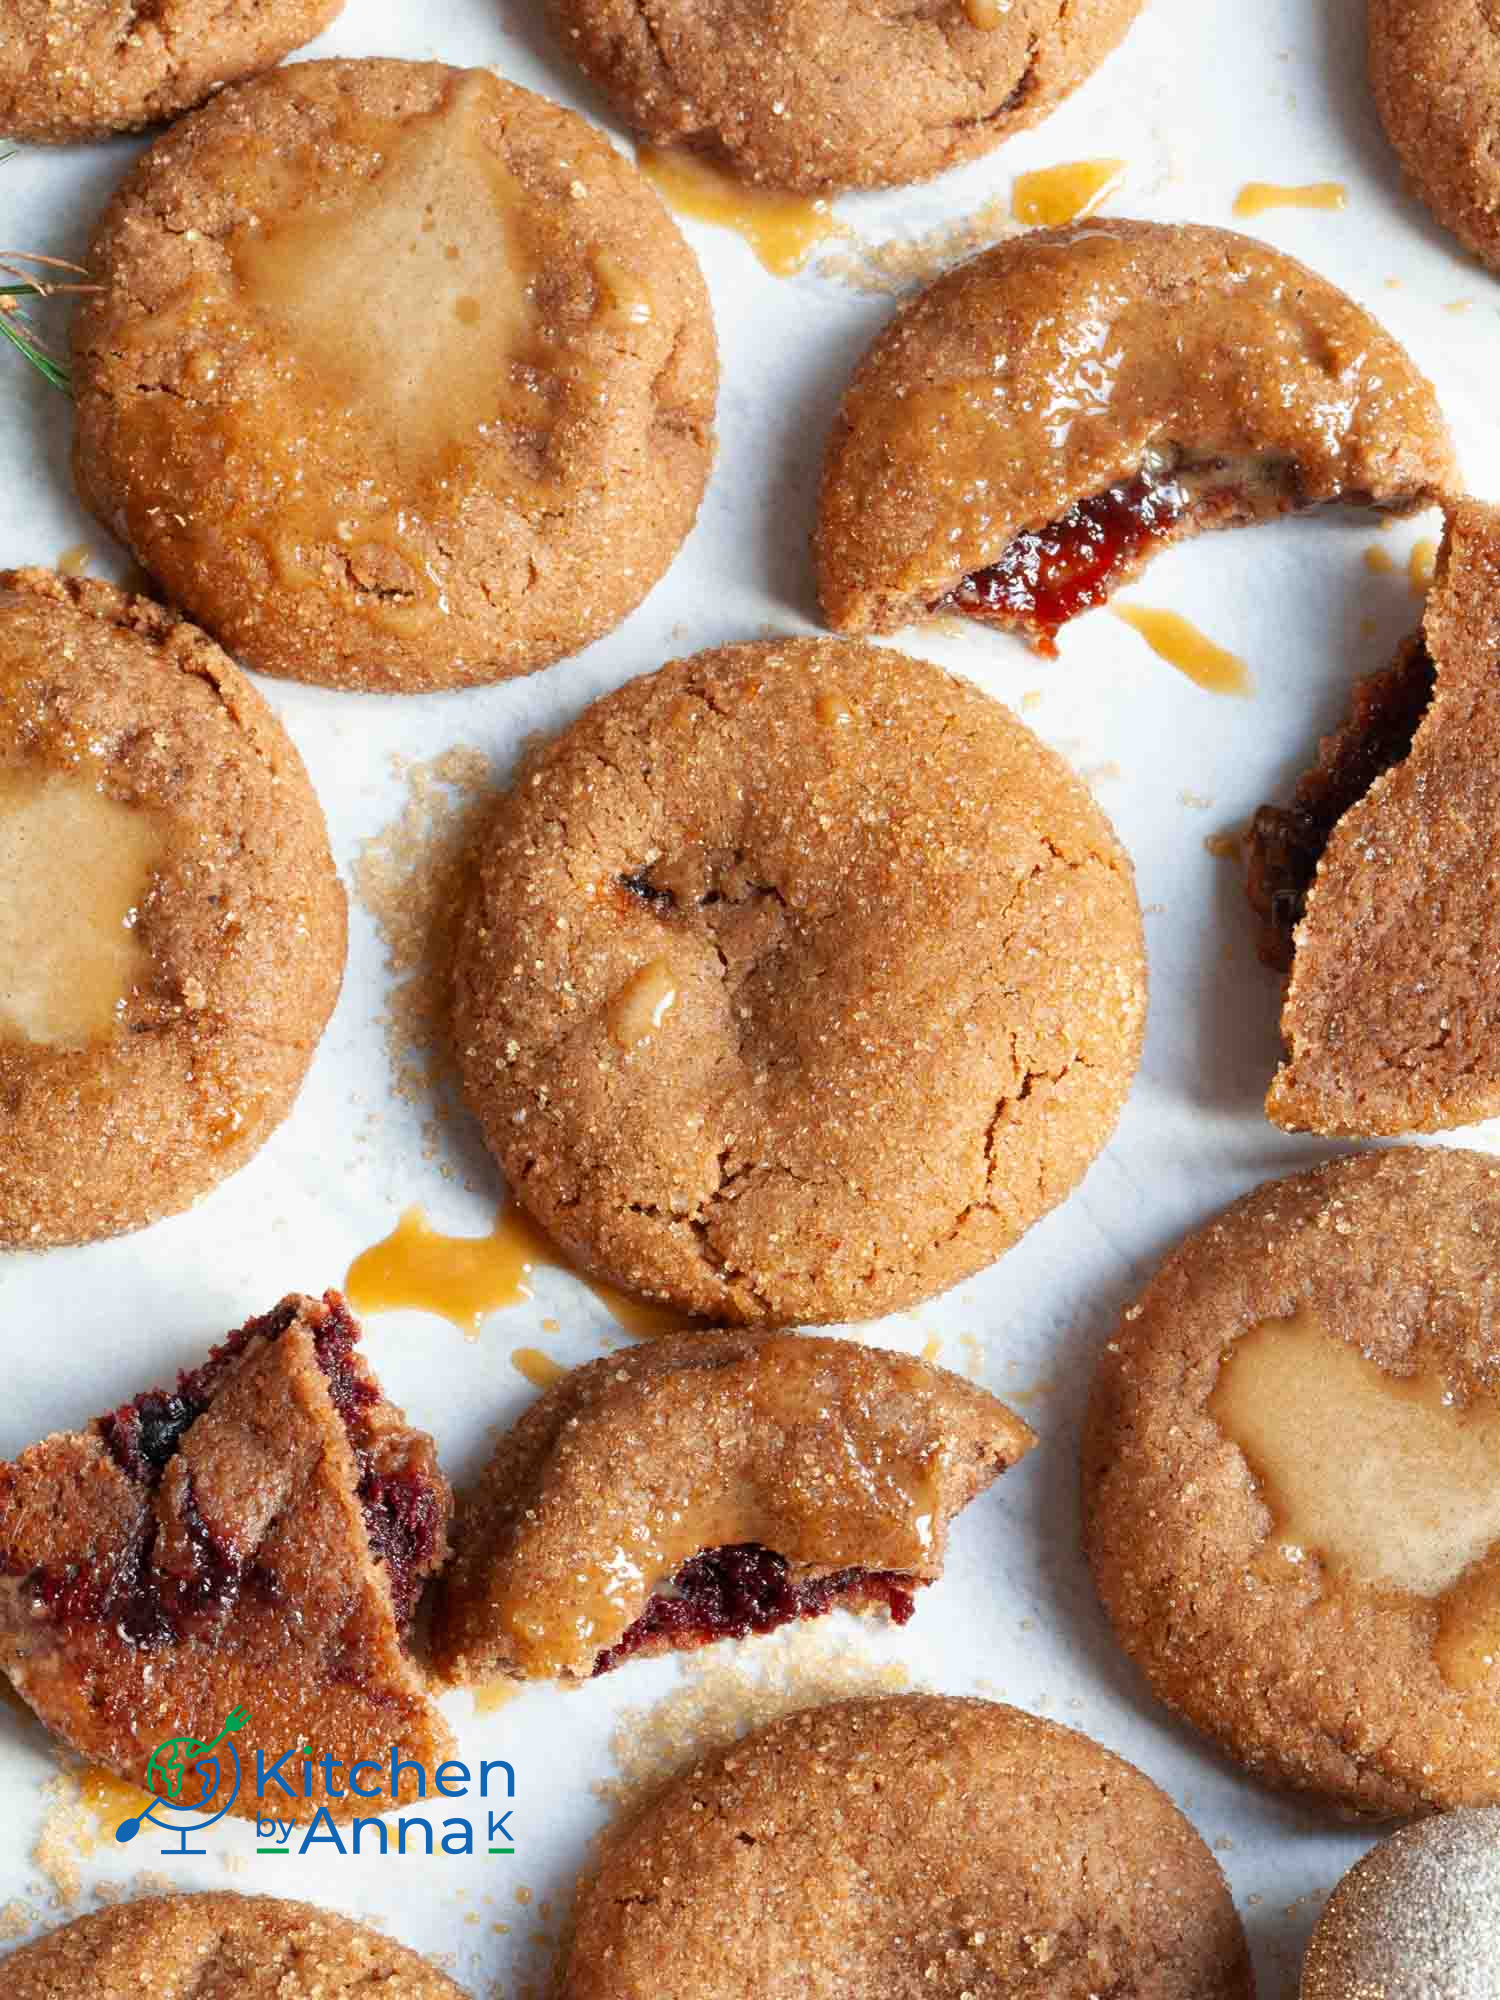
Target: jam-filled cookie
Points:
(81, 69)
(398, 376)
(255, 1541)
(706, 1486)
(1291, 1505)
(798, 980)
(1417, 1919)
(1376, 886)
(230, 1947)
(171, 926)
(1033, 427)
(910, 1846)
(816, 95)
(1435, 67)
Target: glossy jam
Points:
(782, 229)
(1381, 1480)
(1174, 639)
(75, 868)
(1049, 575)
(1052, 196)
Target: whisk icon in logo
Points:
(191, 1783)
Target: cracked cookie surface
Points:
(1289, 1490)
(148, 1046)
(708, 1485)
(798, 980)
(233, 1947)
(399, 376)
(81, 69)
(1029, 430)
(804, 94)
(911, 1847)
(1377, 884)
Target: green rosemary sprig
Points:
(13, 328)
(33, 283)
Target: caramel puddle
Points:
(1255, 197)
(464, 1278)
(1421, 567)
(782, 229)
(110, 1801)
(540, 1370)
(1054, 195)
(1378, 560)
(1173, 639)
(1380, 1478)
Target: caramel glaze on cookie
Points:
(708, 1485)
(231, 1947)
(911, 1847)
(799, 979)
(81, 69)
(1376, 886)
(817, 95)
(399, 376)
(172, 926)
(1026, 434)
(1435, 69)
(1289, 1488)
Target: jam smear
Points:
(1287, 842)
(1048, 575)
(728, 1592)
(403, 1518)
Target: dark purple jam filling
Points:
(729, 1592)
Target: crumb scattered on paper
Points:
(16, 1919)
(904, 261)
(1226, 846)
(411, 878)
(67, 1833)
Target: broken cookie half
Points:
(1378, 887)
(707, 1486)
(254, 1540)
(1030, 430)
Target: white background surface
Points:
(1199, 101)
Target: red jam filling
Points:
(403, 1518)
(729, 1592)
(1048, 575)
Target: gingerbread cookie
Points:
(812, 95)
(1417, 1919)
(799, 979)
(751, 1480)
(399, 376)
(81, 69)
(171, 926)
(1291, 1507)
(1435, 68)
(911, 1847)
(243, 1554)
(1376, 887)
(998, 455)
(233, 1947)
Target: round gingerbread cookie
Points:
(171, 926)
(1290, 1499)
(907, 1847)
(399, 377)
(798, 980)
(81, 69)
(1435, 69)
(1417, 1919)
(814, 95)
(235, 1947)
(997, 456)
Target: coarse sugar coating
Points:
(752, 1479)
(799, 979)
(398, 377)
(995, 455)
(813, 95)
(1381, 878)
(1435, 71)
(1288, 1478)
(171, 929)
(908, 1847)
(235, 1947)
(81, 69)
